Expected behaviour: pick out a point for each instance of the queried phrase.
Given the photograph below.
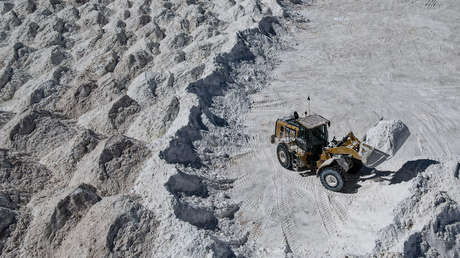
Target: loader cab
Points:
(301, 140)
(309, 133)
(313, 137)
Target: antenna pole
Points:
(309, 108)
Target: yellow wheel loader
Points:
(303, 145)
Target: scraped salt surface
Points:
(388, 136)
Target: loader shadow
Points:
(406, 173)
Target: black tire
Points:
(284, 157)
(357, 165)
(331, 179)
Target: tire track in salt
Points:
(284, 211)
(324, 212)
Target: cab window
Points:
(319, 134)
(303, 133)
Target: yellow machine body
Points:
(303, 144)
(288, 132)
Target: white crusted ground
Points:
(360, 62)
(141, 128)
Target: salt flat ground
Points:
(359, 61)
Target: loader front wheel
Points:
(284, 157)
(331, 179)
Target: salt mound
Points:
(387, 136)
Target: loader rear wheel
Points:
(331, 179)
(284, 157)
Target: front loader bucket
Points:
(387, 135)
(372, 157)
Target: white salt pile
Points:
(387, 136)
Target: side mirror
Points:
(296, 115)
